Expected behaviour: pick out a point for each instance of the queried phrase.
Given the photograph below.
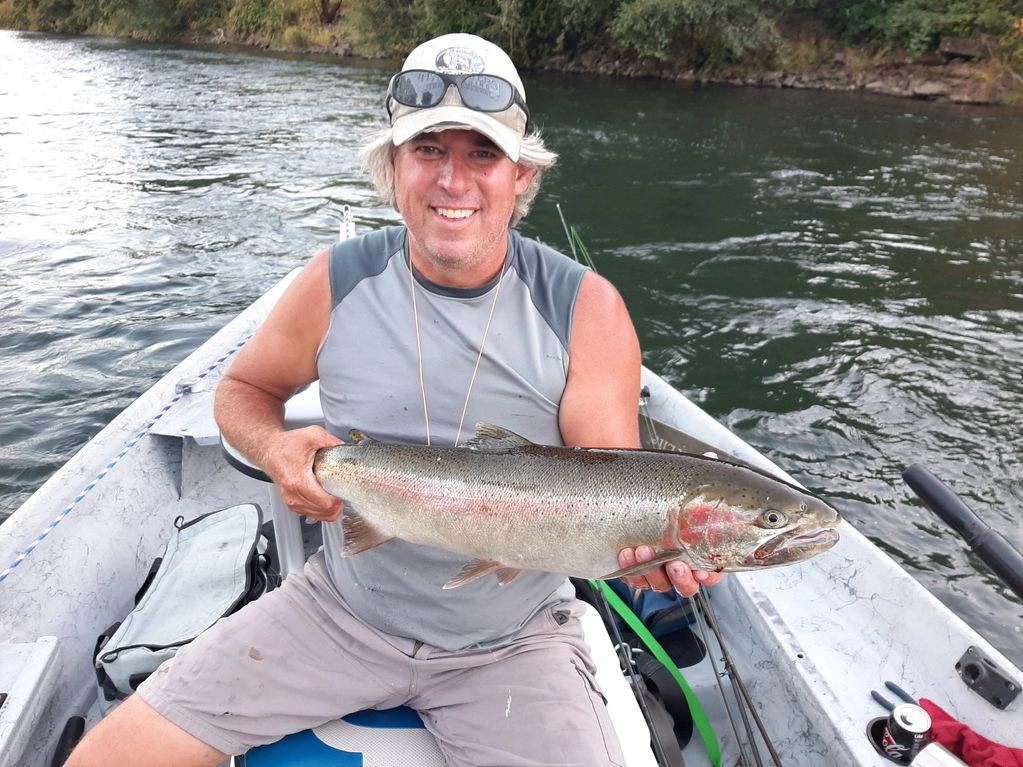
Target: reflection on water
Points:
(839, 279)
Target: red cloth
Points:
(972, 748)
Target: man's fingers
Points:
(707, 579)
(320, 438)
(310, 500)
(675, 575)
(655, 576)
(627, 558)
(325, 513)
(682, 579)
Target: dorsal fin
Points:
(490, 437)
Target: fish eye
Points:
(773, 518)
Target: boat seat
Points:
(385, 738)
(301, 410)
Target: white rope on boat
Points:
(24, 553)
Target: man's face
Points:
(456, 191)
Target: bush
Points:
(919, 25)
(527, 29)
(1011, 45)
(650, 27)
(692, 33)
(295, 39)
(267, 19)
(8, 18)
(698, 32)
(531, 30)
(379, 26)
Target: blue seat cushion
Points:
(308, 749)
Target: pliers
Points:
(888, 705)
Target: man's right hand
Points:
(288, 460)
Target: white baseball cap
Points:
(461, 54)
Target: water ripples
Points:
(837, 278)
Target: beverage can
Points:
(906, 732)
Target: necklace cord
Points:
(479, 356)
(419, 348)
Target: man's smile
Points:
(455, 213)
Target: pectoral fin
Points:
(640, 567)
(360, 534)
(480, 567)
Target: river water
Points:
(838, 278)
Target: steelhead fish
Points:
(513, 505)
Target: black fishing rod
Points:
(991, 546)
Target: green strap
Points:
(710, 738)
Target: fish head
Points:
(738, 518)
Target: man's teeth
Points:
(453, 213)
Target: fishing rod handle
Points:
(943, 502)
(991, 546)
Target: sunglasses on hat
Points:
(423, 88)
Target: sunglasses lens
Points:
(418, 89)
(485, 93)
(422, 89)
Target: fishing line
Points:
(718, 675)
(739, 703)
(625, 657)
(739, 685)
(700, 720)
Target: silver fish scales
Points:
(510, 505)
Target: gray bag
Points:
(212, 566)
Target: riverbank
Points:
(982, 80)
(967, 73)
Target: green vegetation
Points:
(918, 25)
(700, 34)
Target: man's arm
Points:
(277, 360)
(600, 406)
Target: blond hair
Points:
(378, 156)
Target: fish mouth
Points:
(794, 546)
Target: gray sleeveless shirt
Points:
(368, 366)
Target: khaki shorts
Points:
(297, 658)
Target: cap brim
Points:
(439, 118)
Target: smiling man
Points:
(416, 333)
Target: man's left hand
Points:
(674, 575)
